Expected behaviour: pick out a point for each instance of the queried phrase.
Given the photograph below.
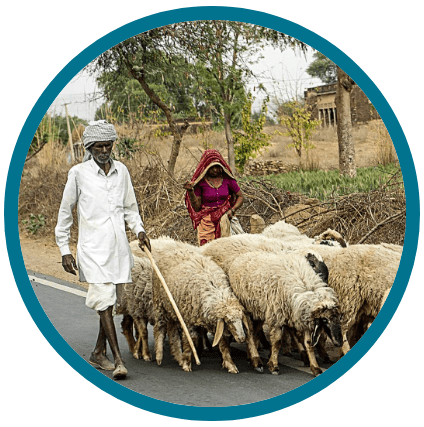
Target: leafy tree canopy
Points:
(323, 68)
(192, 55)
(126, 97)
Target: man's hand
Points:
(144, 241)
(69, 264)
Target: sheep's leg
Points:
(159, 332)
(206, 344)
(127, 331)
(252, 349)
(262, 338)
(275, 335)
(286, 342)
(187, 352)
(227, 361)
(345, 347)
(297, 338)
(257, 331)
(316, 370)
(321, 349)
(142, 340)
(175, 342)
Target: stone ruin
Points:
(268, 167)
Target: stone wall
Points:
(268, 167)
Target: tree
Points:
(127, 100)
(347, 162)
(144, 58)
(223, 48)
(253, 139)
(299, 126)
(228, 49)
(323, 68)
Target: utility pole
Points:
(71, 145)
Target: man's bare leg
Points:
(106, 319)
(98, 357)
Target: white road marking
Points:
(57, 286)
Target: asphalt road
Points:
(207, 385)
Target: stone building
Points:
(321, 101)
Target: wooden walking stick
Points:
(174, 305)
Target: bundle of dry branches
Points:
(372, 217)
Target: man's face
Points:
(101, 151)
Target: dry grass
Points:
(325, 153)
(384, 150)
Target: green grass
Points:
(324, 185)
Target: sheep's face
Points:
(318, 266)
(236, 329)
(230, 319)
(233, 319)
(327, 320)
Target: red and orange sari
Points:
(207, 220)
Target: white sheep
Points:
(136, 306)
(282, 289)
(361, 276)
(225, 250)
(291, 235)
(280, 230)
(204, 297)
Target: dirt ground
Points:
(43, 256)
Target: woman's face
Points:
(215, 171)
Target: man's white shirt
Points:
(105, 204)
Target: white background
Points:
(39, 39)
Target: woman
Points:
(211, 193)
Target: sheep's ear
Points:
(316, 334)
(246, 323)
(218, 333)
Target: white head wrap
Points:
(96, 131)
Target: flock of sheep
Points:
(271, 289)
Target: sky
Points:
(282, 73)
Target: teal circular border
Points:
(12, 231)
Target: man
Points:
(102, 189)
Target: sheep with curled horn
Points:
(204, 297)
(283, 290)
